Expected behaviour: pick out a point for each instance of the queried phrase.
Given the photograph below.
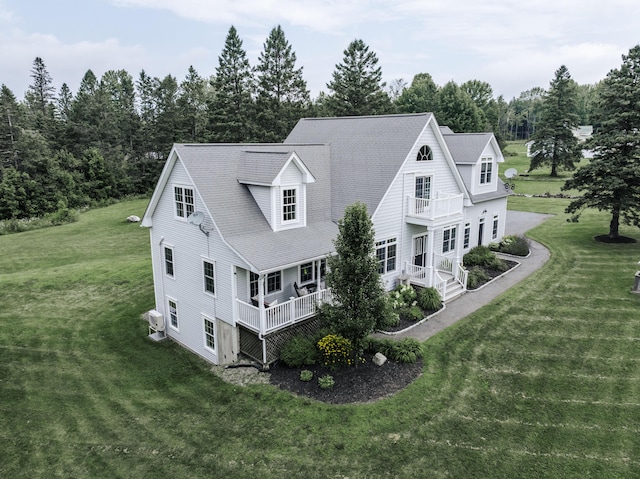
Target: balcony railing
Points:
(435, 208)
(280, 315)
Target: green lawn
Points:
(538, 181)
(543, 382)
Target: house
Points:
(240, 233)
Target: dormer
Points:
(278, 183)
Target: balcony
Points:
(436, 211)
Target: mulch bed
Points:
(492, 273)
(359, 384)
(617, 240)
(405, 323)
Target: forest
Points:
(63, 150)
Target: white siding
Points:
(389, 219)
(190, 247)
(262, 197)
(477, 188)
(486, 210)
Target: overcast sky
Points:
(512, 45)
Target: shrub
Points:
(476, 277)
(403, 295)
(306, 375)
(336, 351)
(299, 351)
(412, 313)
(326, 381)
(407, 350)
(429, 299)
(478, 256)
(516, 245)
(496, 264)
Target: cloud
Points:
(66, 62)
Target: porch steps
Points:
(454, 289)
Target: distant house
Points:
(240, 233)
(582, 133)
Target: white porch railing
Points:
(441, 286)
(418, 274)
(281, 314)
(434, 208)
(443, 263)
(461, 275)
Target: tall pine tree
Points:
(554, 143)
(611, 180)
(356, 85)
(283, 97)
(231, 111)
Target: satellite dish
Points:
(510, 173)
(196, 218)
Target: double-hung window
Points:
(494, 229)
(486, 168)
(184, 199)
(289, 205)
(173, 313)
(209, 277)
(209, 334)
(386, 253)
(169, 266)
(274, 282)
(449, 239)
(467, 236)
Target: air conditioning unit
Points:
(156, 320)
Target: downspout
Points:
(161, 274)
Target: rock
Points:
(133, 219)
(379, 359)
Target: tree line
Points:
(60, 150)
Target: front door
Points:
(420, 250)
(480, 231)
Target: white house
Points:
(240, 233)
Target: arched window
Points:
(425, 154)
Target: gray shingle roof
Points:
(366, 153)
(214, 169)
(261, 167)
(466, 148)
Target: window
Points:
(494, 230)
(209, 334)
(423, 187)
(386, 254)
(309, 271)
(486, 166)
(253, 284)
(274, 282)
(209, 277)
(306, 273)
(185, 204)
(467, 236)
(168, 261)
(173, 313)
(425, 154)
(449, 239)
(289, 205)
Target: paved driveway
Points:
(519, 222)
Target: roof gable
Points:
(265, 168)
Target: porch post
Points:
(431, 253)
(263, 314)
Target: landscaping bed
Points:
(357, 384)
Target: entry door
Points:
(420, 250)
(480, 231)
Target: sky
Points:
(512, 45)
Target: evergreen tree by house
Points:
(359, 302)
(39, 99)
(356, 86)
(554, 143)
(283, 97)
(10, 119)
(611, 180)
(231, 111)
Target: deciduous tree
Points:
(359, 300)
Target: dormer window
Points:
(425, 154)
(289, 204)
(486, 168)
